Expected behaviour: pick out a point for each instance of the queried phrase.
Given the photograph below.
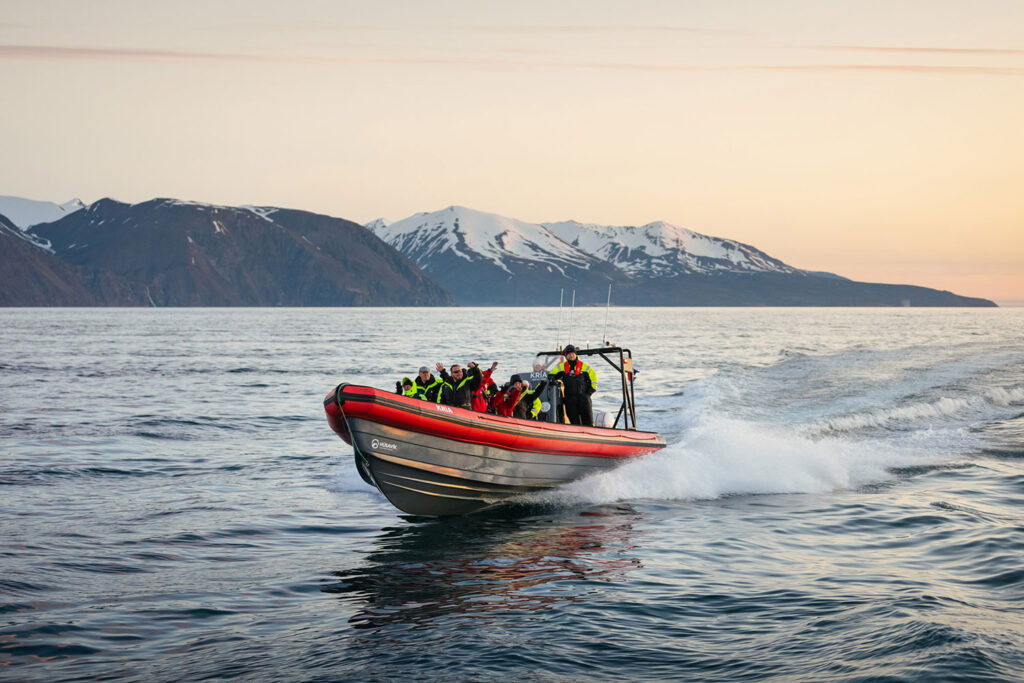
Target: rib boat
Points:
(438, 460)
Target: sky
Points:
(880, 140)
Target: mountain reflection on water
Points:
(486, 565)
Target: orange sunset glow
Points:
(882, 142)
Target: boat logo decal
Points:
(377, 444)
(444, 409)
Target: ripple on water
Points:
(9, 587)
(35, 642)
(192, 526)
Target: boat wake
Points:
(723, 456)
(717, 454)
(979, 405)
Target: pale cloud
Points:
(51, 52)
(605, 29)
(44, 52)
(967, 51)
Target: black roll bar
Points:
(626, 372)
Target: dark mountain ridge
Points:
(783, 289)
(175, 253)
(30, 275)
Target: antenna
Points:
(608, 304)
(571, 311)
(558, 331)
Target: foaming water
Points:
(715, 455)
(840, 499)
(730, 457)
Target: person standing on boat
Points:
(463, 383)
(432, 389)
(580, 381)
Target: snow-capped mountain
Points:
(663, 250)
(474, 235)
(25, 213)
(486, 259)
(467, 250)
(494, 259)
(655, 250)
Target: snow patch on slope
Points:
(660, 248)
(263, 212)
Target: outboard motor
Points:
(551, 409)
(551, 403)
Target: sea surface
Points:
(842, 499)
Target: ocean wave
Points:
(1012, 577)
(14, 587)
(944, 407)
(102, 567)
(44, 475)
